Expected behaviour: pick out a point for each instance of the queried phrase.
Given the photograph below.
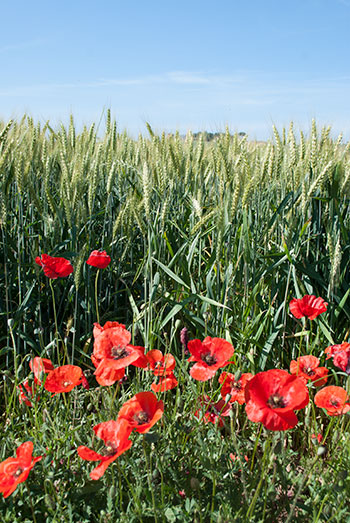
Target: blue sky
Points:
(192, 64)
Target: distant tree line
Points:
(208, 137)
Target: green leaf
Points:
(171, 314)
(171, 273)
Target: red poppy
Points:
(308, 306)
(212, 412)
(165, 383)
(307, 368)
(40, 367)
(234, 387)
(112, 353)
(273, 396)
(26, 393)
(15, 470)
(99, 259)
(98, 329)
(63, 379)
(54, 267)
(210, 354)
(115, 435)
(235, 458)
(160, 365)
(317, 437)
(341, 356)
(333, 399)
(142, 411)
(107, 376)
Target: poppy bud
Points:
(184, 338)
(194, 482)
(321, 451)
(238, 375)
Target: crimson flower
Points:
(15, 470)
(40, 366)
(341, 355)
(273, 396)
(54, 267)
(234, 387)
(162, 366)
(307, 368)
(210, 354)
(115, 435)
(213, 411)
(308, 306)
(26, 393)
(164, 383)
(99, 259)
(142, 411)
(333, 399)
(112, 353)
(64, 378)
(317, 437)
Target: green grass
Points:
(217, 237)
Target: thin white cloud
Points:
(185, 77)
(170, 78)
(20, 45)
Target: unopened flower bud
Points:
(194, 483)
(321, 451)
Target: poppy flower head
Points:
(54, 267)
(160, 365)
(26, 393)
(235, 388)
(112, 352)
(164, 383)
(334, 349)
(209, 355)
(212, 412)
(98, 329)
(334, 399)
(308, 306)
(115, 435)
(341, 356)
(40, 367)
(99, 259)
(142, 411)
(63, 379)
(273, 396)
(16, 470)
(307, 368)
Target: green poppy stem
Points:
(96, 299)
(56, 325)
(149, 478)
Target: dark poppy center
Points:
(209, 359)
(308, 371)
(17, 472)
(276, 401)
(118, 352)
(141, 417)
(334, 403)
(236, 386)
(109, 449)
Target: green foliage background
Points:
(216, 236)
